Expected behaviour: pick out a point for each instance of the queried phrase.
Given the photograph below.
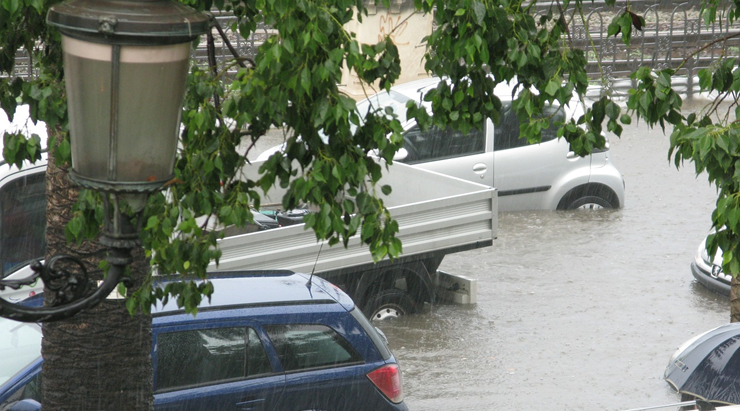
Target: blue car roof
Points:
(255, 288)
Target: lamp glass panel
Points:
(151, 91)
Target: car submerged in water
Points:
(544, 176)
(708, 271)
(266, 341)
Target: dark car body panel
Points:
(270, 301)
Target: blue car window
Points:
(32, 390)
(308, 346)
(203, 357)
(22, 222)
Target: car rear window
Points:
(309, 346)
(202, 357)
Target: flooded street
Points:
(576, 310)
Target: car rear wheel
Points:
(589, 203)
(389, 304)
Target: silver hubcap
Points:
(590, 206)
(385, 313)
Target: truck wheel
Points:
(392, 303)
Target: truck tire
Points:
(387, 304)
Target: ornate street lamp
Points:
(125, 66)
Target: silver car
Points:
(545, 176)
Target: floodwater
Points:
(576, 310)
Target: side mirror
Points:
(401, 154)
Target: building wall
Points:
(407, 29)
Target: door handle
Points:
(480, 168)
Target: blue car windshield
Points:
(20, 345)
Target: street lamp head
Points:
(126, 64)
(125, 67)
(129, 22)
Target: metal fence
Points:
(674, 36)
(671, 34)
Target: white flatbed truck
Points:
(436, 214)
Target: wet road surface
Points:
(576, 310)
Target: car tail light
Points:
(389, 382)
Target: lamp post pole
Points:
(125, 65)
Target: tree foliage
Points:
(332, 155)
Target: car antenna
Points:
(310, 278)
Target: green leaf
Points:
(288, 44)
(479, 11)
(613, 110)
(306, 80)
(614, 28)
(75, 227)
(705, 79)
(11, 6)
(63, 153)
(552, 87)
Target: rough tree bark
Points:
(77, 370)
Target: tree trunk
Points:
(100, 358)
(735, 300)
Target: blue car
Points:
(266, 341)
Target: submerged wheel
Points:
(589, 197)
(387, 304)
(589, 203)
